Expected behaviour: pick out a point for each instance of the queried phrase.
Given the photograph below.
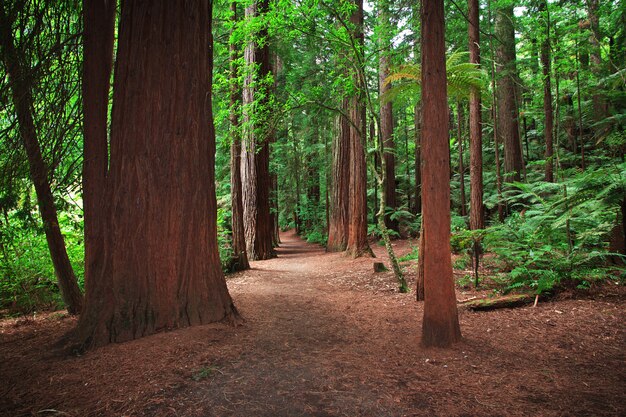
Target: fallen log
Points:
(507, 301)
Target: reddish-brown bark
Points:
(475, 121)
(21, 89)
(357, 244)
(508, 123)
(159, 267)
(459, 134)
(547, 97)
(386, 125)
(440, 326)
(417, 123)
(340, 182)
(255, 175)
(240, 255)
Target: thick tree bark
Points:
(98, 35)
(475, 120)
(508, 122)
(386, 123)
(459, 131)
(419, 290)
(547, 97)
(159, 267)
(357, 244)
(21, 89)
(239, 260)
(340, 186)
(255, 175)
(441, 323)
(417, 123)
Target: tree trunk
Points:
(159, 267)
(240, 256)
(475, 120)
(459, 130)
(357, 206)
(419, 290)
(386, 122)
(21, 89)
(255, 175)
(274, 214)
(547, 96)
(340, 186)
(417, 122)
(508, 124)
(441, 323)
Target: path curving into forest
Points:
(325, 336)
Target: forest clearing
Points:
(326, 336)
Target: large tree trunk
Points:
(547, 96)
(475, 120)
(21, 88)
(417, 123)
(459, 131)
(386, 123)
(508, 123)
(357, 206)
(340, 185)
(441, 323)
(159, 267)
(239, 260)
(255, 152)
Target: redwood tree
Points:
(506, 70)
(441, 323)
(255, 152)
(547, 95)
(240, 256)
(151, 238)
(357, 244)
(21, 89)
(475, 121)
(386, 119)
(339, 184)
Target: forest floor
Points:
(326, 336)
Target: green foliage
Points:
(558, 238)
(224, 237)
(28, 282)
(461, 78)
(203, 373)
(462, 262)
(411, 256)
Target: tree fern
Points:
(462, 77)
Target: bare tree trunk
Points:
(239, 260)
(357, 206)
(508, 123)
(255, 175)
(160, 267)
(441, 323)
(417, 122)
(340, 186)
(20, 85)
(419, 290)
(475, 119)
(459, 131)
(547, 96)
(386, 124)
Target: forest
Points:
(312, 207)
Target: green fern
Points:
(462, 77)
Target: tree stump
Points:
(379, 267)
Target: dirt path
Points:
(325, 336)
